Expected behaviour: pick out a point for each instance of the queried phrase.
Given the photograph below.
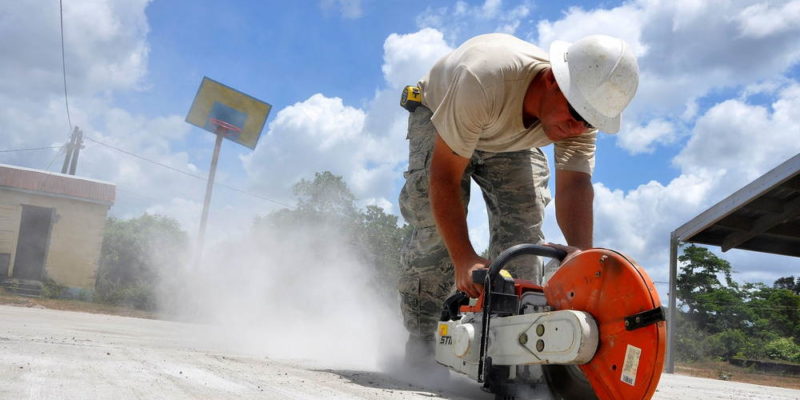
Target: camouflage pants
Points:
(514, 187)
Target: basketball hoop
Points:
(225, 128)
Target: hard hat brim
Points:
(560, 66)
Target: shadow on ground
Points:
(438, 383)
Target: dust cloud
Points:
(302, 295)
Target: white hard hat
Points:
(598, 75)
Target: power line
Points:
(47, 168)
(187, 173)
(30, 149)
(63, 61)
(145, 159)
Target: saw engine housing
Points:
(595, 330)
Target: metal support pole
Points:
(76, 150)
(673, 274)
(68, 156)
(209, 187)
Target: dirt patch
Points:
(72, 305)
(724, 371)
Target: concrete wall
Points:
(75, 239)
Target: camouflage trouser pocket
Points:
(409, 303)
(414, 202)
(422, 297)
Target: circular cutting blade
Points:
(614, 289)
(567, 382)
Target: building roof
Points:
(762, 216)
(55, 184)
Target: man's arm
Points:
(447, 170)
(574, 197)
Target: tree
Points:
(134, 254)
(788, 283)
(327, 203)
(325, 200)
(711, 305)
(382, 241)
(722, 320)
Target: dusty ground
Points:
(54, 354)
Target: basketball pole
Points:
(220, 131)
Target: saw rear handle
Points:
(479, 276)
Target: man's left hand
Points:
(572, 251)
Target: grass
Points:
(725, 371)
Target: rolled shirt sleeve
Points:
(577, 153)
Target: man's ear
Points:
(549, 78)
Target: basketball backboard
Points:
(218, 108)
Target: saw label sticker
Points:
(631, 365)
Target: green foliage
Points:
(133, 255)
(788, 283)
(700, 290)
(722, 319)
(690, 342)
(783, 349)
(726, 344)
(52, 290)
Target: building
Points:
(51, 227)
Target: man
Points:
(487, 108)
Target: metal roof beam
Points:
(787, 171)
(765, 204)
(739, 223)
(763, 224)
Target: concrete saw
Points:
(595, 330)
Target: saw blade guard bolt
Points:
(539, 345)
(523, 338)
(540, 330)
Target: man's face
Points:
(556, 119)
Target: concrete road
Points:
(48, 354)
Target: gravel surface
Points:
(49, 354)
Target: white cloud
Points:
(104, 41)
(350, 9)
(762, 19)
(744, 139)
(641, 139)
(318, 134)
(732, 144)
(366, 146)
(407, 58)
(688, 49)
(106, 52)
(105, 49)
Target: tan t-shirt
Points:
(476, 94)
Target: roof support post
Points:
(673, 274)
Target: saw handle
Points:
(494, 270)
(523, 249)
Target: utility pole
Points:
(68, 156)
(76, 150)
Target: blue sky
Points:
(717, 105)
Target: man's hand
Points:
(464, 281)
(572, 251)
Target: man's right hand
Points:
(464, 281)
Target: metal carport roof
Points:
(762, 216)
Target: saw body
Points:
(594, 330)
